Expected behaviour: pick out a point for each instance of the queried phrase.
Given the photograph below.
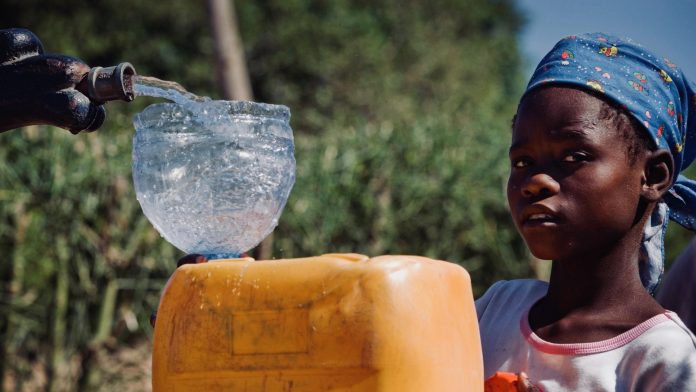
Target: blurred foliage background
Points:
(401, 112)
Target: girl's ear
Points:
(658, 174)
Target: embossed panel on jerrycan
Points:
(328, 323)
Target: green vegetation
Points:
(401, 111)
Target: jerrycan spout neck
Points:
(109, 84)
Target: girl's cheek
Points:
(512, 189)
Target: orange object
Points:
(502, 382)
(327, 323)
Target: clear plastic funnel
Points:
(213, 176)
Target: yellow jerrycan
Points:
(337, 322)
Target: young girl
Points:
(598, 141)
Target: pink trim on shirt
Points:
(591, 347)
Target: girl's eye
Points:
(519, 163)
(575, 157)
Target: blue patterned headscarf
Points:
(656, 93)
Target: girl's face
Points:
(572, 188)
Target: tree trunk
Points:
(233, 76)
(232, 72)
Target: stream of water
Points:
(153, 87)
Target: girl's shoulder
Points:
(668, 336)
(664, 355)
(510, 297)
(517, 286)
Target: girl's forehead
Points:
(559, 103)
(560, 114)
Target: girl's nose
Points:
(540, 184)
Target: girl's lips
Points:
(539, 216)
(546, 221)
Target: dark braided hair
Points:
(637, 139)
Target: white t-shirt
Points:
(656, 355)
